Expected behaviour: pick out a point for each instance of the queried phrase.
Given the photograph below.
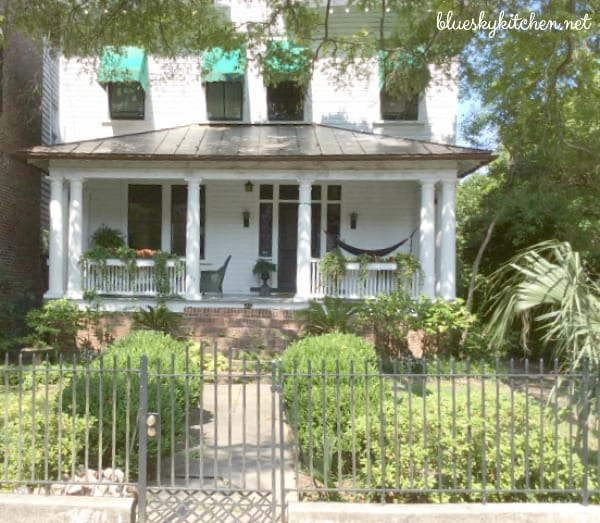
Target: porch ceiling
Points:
(287, 142)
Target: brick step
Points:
(242, 332)
(269, 330)
(239, 322)
(266, 348)
(274, 314)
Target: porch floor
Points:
(283, 301)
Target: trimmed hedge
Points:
(109, 390)
(328, 382)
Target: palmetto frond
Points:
(549, 282)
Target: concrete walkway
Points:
(237, 462)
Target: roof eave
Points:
(32, 156)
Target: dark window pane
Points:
(126, 101)
(285, 102)
(179, 219)
(265, 231)
(315, 238)
(144, 216)
(224, 100)
(399, 107)
(334, 192)
(288, 192)
(266, 192)
(333, 224)
(316, 192)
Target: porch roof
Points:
(261, 142)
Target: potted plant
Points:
(264, 268)
(333, 268)
(107, 237)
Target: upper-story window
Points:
(285, 102)
(401, 103)
(123, 72)
(286, 71)
(400, 107)
(224, 100)
(127, 101)
(223, 77)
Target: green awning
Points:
(397, 61)
(123, 64)
(223, 66)
(283, 57)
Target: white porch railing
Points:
(115, 279)
(381, 278)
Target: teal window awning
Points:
(285, 58)
(223, 66)
(399, 62)
(123, 64)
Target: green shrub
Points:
(437, 442)
(442, 322)
(55, 324)
(330, 315)
(40, 443)
(344, 378)
(110, 380)
(158, 318)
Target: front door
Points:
(288, 243)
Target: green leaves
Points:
(330, 315)
(549, 284)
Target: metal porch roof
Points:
(259, 142)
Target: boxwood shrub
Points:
(108, 389)
(329, 380)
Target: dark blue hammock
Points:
(375, 253)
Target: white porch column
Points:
(304, 241)
(56, 255)
(192, 241)
(427, 238)
(448, 242)
(75, 247)
(165, 230)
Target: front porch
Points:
(204, 194)
(283, 222)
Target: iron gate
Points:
(230, 465)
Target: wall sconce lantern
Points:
(246, 218)
(249, 186)
(353, 218)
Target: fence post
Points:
(583, 421)
(277, 415)
(143, 441)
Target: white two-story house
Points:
(202, 158)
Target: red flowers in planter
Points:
(145, 254)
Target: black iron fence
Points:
(444, 432)
(359, 432)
